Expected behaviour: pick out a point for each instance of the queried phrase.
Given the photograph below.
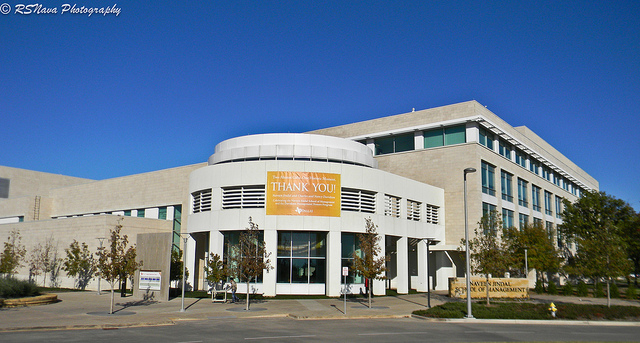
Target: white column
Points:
(334, 264)
(190, 260)
(418, 140)
(216, 243)
(402, 249)
(422, 267)
(269, 276)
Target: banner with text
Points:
(303, 194)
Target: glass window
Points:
(523, 220)
(488, 212)
(507, 218)
(537, 222)
(521, 158)
(127, 213)
(547, 203)
(162, 213)
(455, 135)
(505, 149)
(535, 198)
(534, 166)
(486, 138)
(546, 173)
(506, 181)
(558, 206)
(522, 193)
(433, 138)
(388, 145)
(488, 179)
(350, 245)
(141, 213)
(301, 257)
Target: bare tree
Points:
(116, 262)
(369, 264)
(249, 259)
(13, 253)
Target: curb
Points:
(30, 301)
(525, 321)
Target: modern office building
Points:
(310, 194)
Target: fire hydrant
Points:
(553, 310)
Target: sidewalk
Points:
(77, 310)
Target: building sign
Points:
(498, 288)
(149, 280)
(303, 194)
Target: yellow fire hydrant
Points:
(553, 310)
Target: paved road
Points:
(332, 330)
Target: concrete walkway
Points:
(77, 310)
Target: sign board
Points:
(149, 280)
(345, 271)
(303, 194)
(498, 287)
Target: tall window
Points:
(535, 198)
(558, 206)
(486, 138)
(521, 158)
(141, 213)
(301, 257)
(350, 245)
(162, 213)
(547, 203)
(506, 181)
(445, 136)
(399, 143)
(522, 193)
(523, 220)
(505, 149)
(507, 218)
(546, 173)
(556, 179)
(489, 214)
(488, 178)
(534, 166)
(549, 227)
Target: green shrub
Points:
(598, 292)
(632, 292)
(552, 288)
(567, 289)
(583, 290)
(11, 287)
(614, 292)
(539, 287)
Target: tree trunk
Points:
(247, 294)
(112, 297)
(608, 292)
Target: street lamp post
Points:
(466, 242)
(185, 238)
(526, 264)
(101, 239)
(428, 241)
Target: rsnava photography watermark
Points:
(64, 9)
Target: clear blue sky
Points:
(159, 85)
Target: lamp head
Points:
(469, 170)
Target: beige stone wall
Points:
(29, 183)
(62, 232)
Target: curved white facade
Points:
(217, 210)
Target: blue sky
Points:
(160, 84)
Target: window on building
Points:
(127, 213)
(432, 214)
(556, 179)
(391, 206)
(558, 206)
(232, 239)
(486, 138)
(565, 184)
(141, 213)
(201, 200)
(445, 136)
(301, 257)
(399, 143)
(535, 198)
(547, 203)
(523, 220)
(521, 158)
(4, 187)
(534, 166)
(350, 246)
(507, 218)
(506, 180)
(537, 222)
(488, 178)
(162, 213)
(549, 228)
(243, 197)
(489, 215)
(504, 149)
(413, 210)
(177, 227)
(358, 200)
(546, 173)
(522, 193)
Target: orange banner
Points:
(303, 194)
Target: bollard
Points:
(553, 310)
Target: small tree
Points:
(115, 261)
(13, 253)
(216, 272)
(369, 265)
(79, 263)
(488, 254)
(35, 263)
(175, 274)
(50, 262)
(248, 259)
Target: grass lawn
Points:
(523, 310)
